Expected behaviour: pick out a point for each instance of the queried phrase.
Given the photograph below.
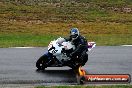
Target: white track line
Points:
(22, 47)
(126, 45)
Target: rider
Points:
(79, 54)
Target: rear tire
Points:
(82, 80)
(41, 63)
(85, 59)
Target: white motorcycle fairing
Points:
(55, 47)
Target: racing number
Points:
(54, 51)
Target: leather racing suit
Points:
(79, 55)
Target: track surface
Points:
(17, 66)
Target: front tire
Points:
(41, 63)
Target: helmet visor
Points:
(74, 36)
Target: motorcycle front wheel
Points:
(41, 63)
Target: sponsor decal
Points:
(108, 78)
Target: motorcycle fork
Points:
(50, 62)
(53, 61)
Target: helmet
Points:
(74, 33)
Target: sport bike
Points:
(58, 53)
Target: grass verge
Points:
(36, 23)
(25, 40)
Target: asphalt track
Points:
(17, 65)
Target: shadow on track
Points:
(58, 76)
(68, 72)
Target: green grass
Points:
(111, 39)
(32, 34)
(31, 23)
(24, 40)
(109, 86)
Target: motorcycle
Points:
(58, 55)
